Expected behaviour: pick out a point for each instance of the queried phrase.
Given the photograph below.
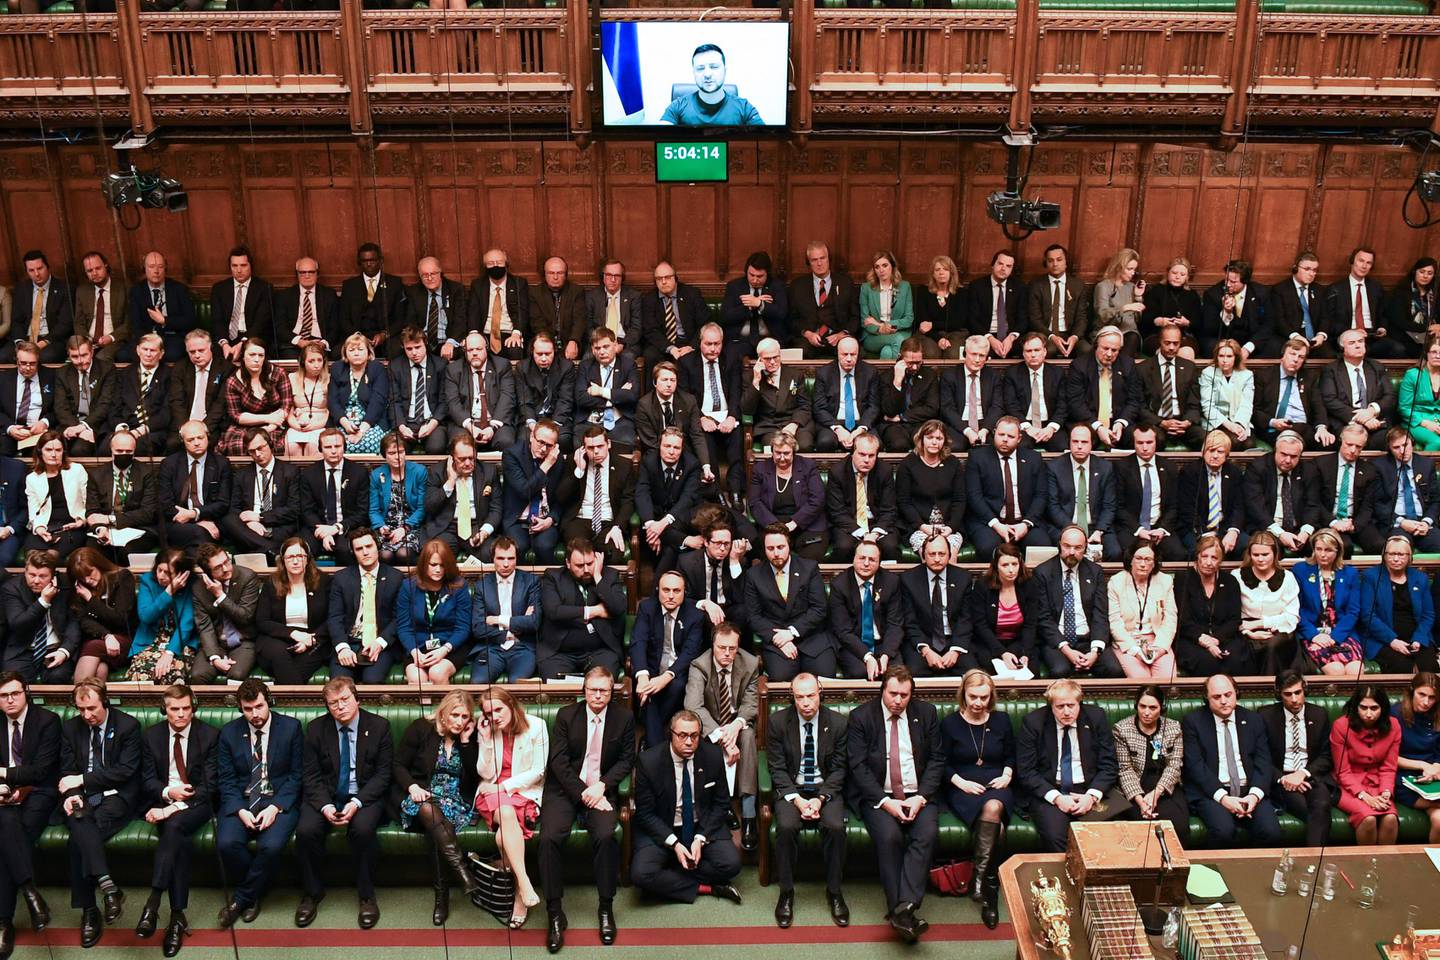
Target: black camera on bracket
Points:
(150, 190)
(1010, 208)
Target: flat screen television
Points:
(660, 74)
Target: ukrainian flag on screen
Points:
(620, 49)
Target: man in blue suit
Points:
(260, 766)
(1227, 768)
(1095, 514)
(1405, 497)
(530, 511)
(667, 636)
(506, 619)
(13, 509)
(163, 306)
(1005, 492)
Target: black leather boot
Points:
(985, 887)
(447, 845)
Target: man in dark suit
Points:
(1006, 492)
(1233, 308)
(1355, 389)
(667, 636)
(1298, 736)
(85, 410)
(197, 388)
(334, 499)
(712, 375)
(1101, 390)
(995, 305)
(607, 389)
(937, 628)
(462, 501)
(1082, 492)
(307, 313)
(583, 608)
(101, 312)
(671, 315)
(242, 307)
(860, 502)
(195, 488)
(1065, 762)
(597, 495)
(715, 574)
(143, 401)
(1404, 495)
(1059, 306)
(1298, 311)
(896, 766)
(27, 396)
(479, 397)
(909, 396)
(348, 756)
(259, 767)
(1228, 771)
(723, 690)
(362, 612)
(775, 398)
(416, 394)
(1145, 497)
(846, 401)
(43, 639)
(755, 305)
(1034, 394)
(545, 389)
(1279, 494)
(1355, 303)
(1342, 495)
(786, 606)
(592, 751)
(14, 509)
(1210, 497)
(665, 496)
(44, 311)
(805, 751)
(867, 616)
(180, 764)
(1285, 399)
(683, 782)
(972, 396)
(264, 499)
(1168, 397)
(1075, 612)
(505, 619)
(29, 770)
(435, 308)
(372, 303)
(824, 306)
(226, 596)
(557, 307)
(668, 406)
(120, 498)
(499, 304)
(100, 791)
(614, 305)
(531, 510)
(160, 305)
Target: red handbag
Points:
(952, 879)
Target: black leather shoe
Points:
(902, 921)
(725, 891)
(149, 919)
(91, 926)
(114, 902)
(921, 924)
(734, 821)
(785, 909)
(39, 909)
(7, 940)
(749, 835)
(555, 932)
(176, 933)
(305, 912)
(229, 914)
(251, 912)
(839, 910)
(442, 906)
(607, 925)
(369, 914)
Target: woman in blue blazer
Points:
(1397, 613)
(397, 502)
(1330, 607)
(432, 616)
(165, 640)
(359, 396)
(787, 489)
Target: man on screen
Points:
(709, 105)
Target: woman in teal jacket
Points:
(1419, 405)
(887, 312)
(397, 510)
(165, 639)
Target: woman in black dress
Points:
(930, 489)
(1171, 303)
(979, 764)
(103, 604)
(291, 617)
(1005, 611)
(1207, 638)
(939, 316)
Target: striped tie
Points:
(1212, 520)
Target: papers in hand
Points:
(1003, 672)
(1430, 791)
(125, 536)
(28, 442)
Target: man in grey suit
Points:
(613, 304)
(723, 690)
(479, 397)
(101, 312)
(225, 600)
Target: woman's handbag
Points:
(496, 893)
(952, 879)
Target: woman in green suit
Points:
(887, 311)
(1420, 398)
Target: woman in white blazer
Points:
(1227, 395)
(514, 749)
(1143, 617)
(55, 493)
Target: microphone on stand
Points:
(1152, 915)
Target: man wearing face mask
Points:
(120, 501)
(499, 305)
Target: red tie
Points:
(1360, 307)
(897, 777)
(99, 317)
(180, 761)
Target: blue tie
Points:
(1067, 755)
(97, 760)
(343, 789)
(1305, 311)
(1067, 617)
(687, 806)
(808, 774)
(867, 616)
(848, 399)
(1407, 490)
(1147, 493)
(1284, 411)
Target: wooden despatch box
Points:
(1127, 852)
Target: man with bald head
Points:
(557, 306)
(307, 313)
(161, 305)
(499, 305)
(671, 314)
(436, 307)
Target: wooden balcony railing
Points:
(298, 50)
(61, 67)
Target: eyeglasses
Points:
(686, 736)
(11, 695)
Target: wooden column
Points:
(357, 74)
(132, 64)
(581, 60)
(1244, 53)
(1022, 68)
(802, 32)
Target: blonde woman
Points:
(359, 395)
(1227, 395)
(1120, 298)
(513, 753)
(940, 311)
(1142, 616)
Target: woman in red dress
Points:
(1365, 744)
(513, 751)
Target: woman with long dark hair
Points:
(432, 616)
(103, 604)
(165, 638)
(1410, 309)
(1150, 755)
(55, 495)
(1365, 745)
(1419, 758)
(291, 615)
(1005, 611)
(257, 394)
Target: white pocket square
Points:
(710, 784)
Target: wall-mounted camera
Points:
(146, 188)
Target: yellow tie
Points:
(36, 313)
(782, 583)
(367, 609)
(463, 509)
(612, 314)
(862, 505)
(495, 321)
(1105, 408)
(369, 289)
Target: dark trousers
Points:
(543, 543)
(185, 535)
(175, 852)
(342, 553)
(246, 540)
(27, 669)
(658, 710)
(788, 825)
(250, 874)
(364, 671)
(915, 661)
(484, 551)
(819, 660)
(851, 666)
(985, 540)
(1312, 806)
(436, 443)
(842, 545)
(20, 829)
(1106, 667)
(286, 667)
(1392, 662)
(1052, 825)
(581, 529)
(902, 851)
(655, 869)
(558, 816)
(488, 663)
(1172, 807)
(86, 846)
(729, 449)
(1221, 826)
(561, 664)
(360, 832)
(1196, 661)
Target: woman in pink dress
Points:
(1365, 744)
(513, 752)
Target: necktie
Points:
(867, 615)
(342, 789)
(37, 312)
(1359, 306)
(897, 775)
(937, 610)
(667, 652)
(417, 407)
(782, 583)
(369, 289)
(1212, 516)
(194, 492)
(726, 701)
(972, 419)
(667, 415)
(1297, 745)
(482, 398)
(332, 495)
(96, 761)
(1008, 514)
(39, 645)
(98, 330)
(1239, 304)
(808, 774)
(715, 582)
(714, 378)
(82, 408)
(1342, 498)
(1305, 312)
(824, 292)
(672, 325)
(1147, 494)
(597, 514)
(27, 395)
(432, 319)
(1407, 490)
(307, 314)
(1284, 409)
(1002, 322)
(862, 505)
(1067, 760)
(592, 754)
(121, 497)
(1082, 501)
(180, 761)
(1037, 392)
(496, 309)
(464, 508)
(1057, 313)
(1106, 398)
(1232, 768)
(267, 491)
(612, 313)
(1359, 389)
(1287, 505)
(237, 312)
(17, 743)
(687, 805)
(1167, 387)
(142, 409)
(368, 630)
(847, 401)
(257, 770)
(1068, 629)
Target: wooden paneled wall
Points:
(917, 197)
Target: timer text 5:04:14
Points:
(698, 152)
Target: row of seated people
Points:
(890, 763)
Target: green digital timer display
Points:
(691, 162)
